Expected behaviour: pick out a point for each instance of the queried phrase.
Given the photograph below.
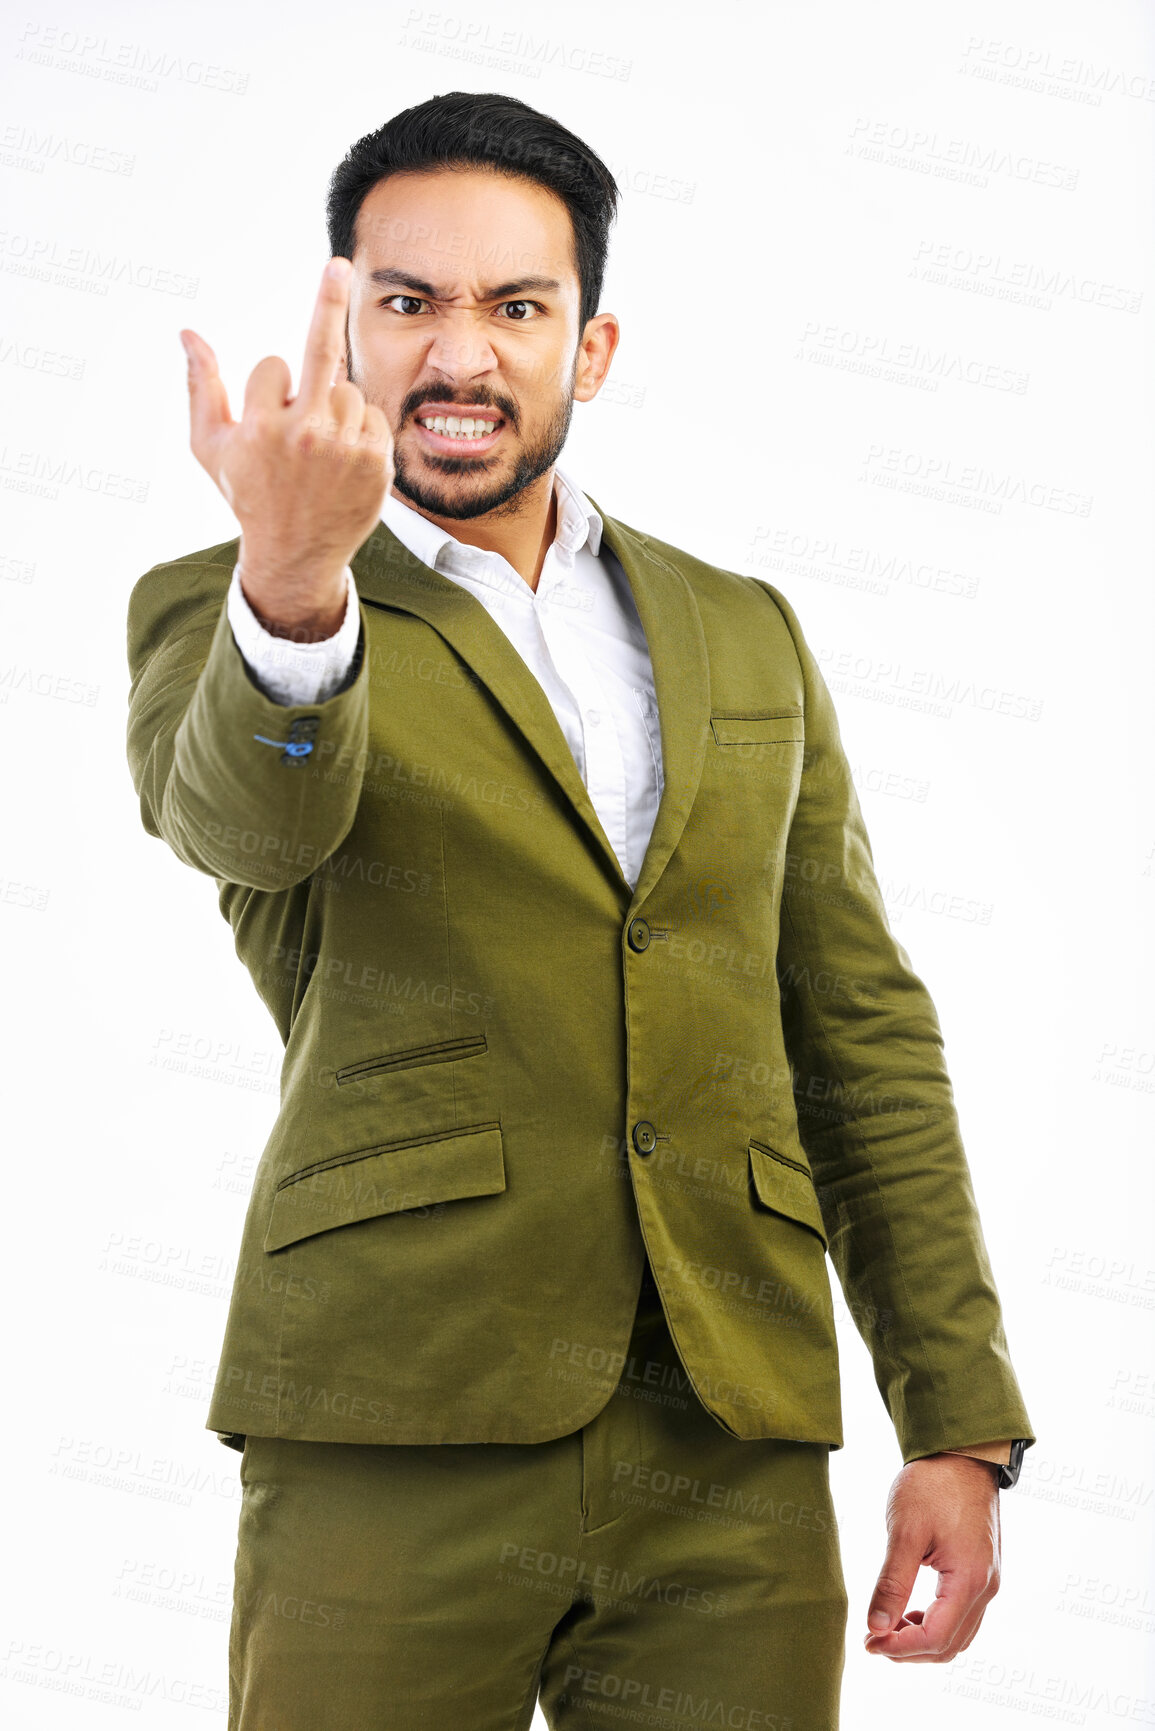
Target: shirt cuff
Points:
(291, 672)
(997, 1452)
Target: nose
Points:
(461, 351)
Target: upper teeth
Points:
(458, 428)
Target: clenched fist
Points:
(306, 476)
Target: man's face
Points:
(464, 303)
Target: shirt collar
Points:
(577, 523)
(577, 520)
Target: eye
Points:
(414, 301)
(520, 318)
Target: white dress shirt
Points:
(579, 634)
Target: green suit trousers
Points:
(650, 1568)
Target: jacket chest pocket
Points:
(750, 777)
(747, 729)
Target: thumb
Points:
(895, 1584)
(208, 400)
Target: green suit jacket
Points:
(508, 1077)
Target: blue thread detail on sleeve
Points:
(300, 741)
(293, 747)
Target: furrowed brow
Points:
(400, 279)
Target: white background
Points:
(884, 276)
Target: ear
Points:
(595, 351)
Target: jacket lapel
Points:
(677, 646)
(389, 576)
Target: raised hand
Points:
(306, 476)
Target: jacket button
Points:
(637, 934)
(645, 1137)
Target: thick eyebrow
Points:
(502, 291)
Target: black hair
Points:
(463, 130)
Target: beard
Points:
(497, 497)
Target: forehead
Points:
(463, 229)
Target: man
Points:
(538, 839)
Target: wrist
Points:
(1004, 1458)
(968, 1455)
(302, 610)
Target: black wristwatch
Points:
(1009, 1474)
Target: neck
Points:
(522, 530)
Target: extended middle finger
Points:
(325, 341)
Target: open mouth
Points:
(460, 435)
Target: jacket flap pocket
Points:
(385, 1180)
(786, 1188)
(769, 727)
